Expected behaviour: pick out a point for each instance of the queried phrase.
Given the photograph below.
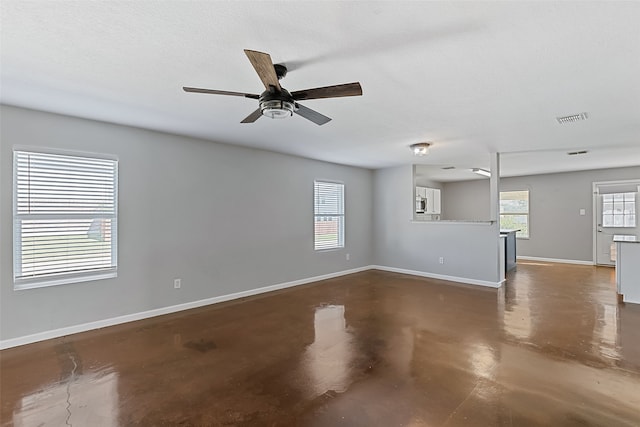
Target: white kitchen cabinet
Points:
(433, 201)
(431, 196)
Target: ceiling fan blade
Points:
(252, 117)
(312, 115)
(219, 92)
(264, 67)
(347, 89)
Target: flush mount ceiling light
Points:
(482, 172)
(420, 149)
(572, 118)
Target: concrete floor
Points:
(371, 349)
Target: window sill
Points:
(453, 221)
(329, 249)
(24, 284)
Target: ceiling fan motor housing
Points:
(281, 70)
(277, 104)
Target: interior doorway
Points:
(616, 212)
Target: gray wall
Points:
(466, 200)
(557, 230)
(470, 250)
(423, 181)
(223, 218)
(228, 219)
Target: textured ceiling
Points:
(472, 77)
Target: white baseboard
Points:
(562, 261)
(440, 276)
(55, 333)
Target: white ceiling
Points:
(472, 77)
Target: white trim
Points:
(341, 216)
(439, 276)
(30, 273)
(26, 283)
(562, 261)
(520, 213)
(594, 228)
(64, 152)
(55, 333)
(616, 182)
(625, 300)
(594, 209)
(494, 187)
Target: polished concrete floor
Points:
(553, 348)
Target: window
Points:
(64, 215)
(514, 212)
(619, 210)
(328, 206)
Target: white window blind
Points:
(65, 219)
(328, 206)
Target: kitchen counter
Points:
(628, 267)
(509, 248)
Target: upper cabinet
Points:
(434, 206)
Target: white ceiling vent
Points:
(572, 118)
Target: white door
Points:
(615, 214)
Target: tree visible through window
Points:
(514, 212)
(64, 219)
(328, 206)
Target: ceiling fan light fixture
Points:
(277, 108)
(420, 148)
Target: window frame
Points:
(527, 214)
(66, 277)
(341, 216)
(624, 214)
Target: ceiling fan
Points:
(276, 102)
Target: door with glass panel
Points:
(616, 208)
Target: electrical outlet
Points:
(348, 257)
(177, 283)
(441, 260)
